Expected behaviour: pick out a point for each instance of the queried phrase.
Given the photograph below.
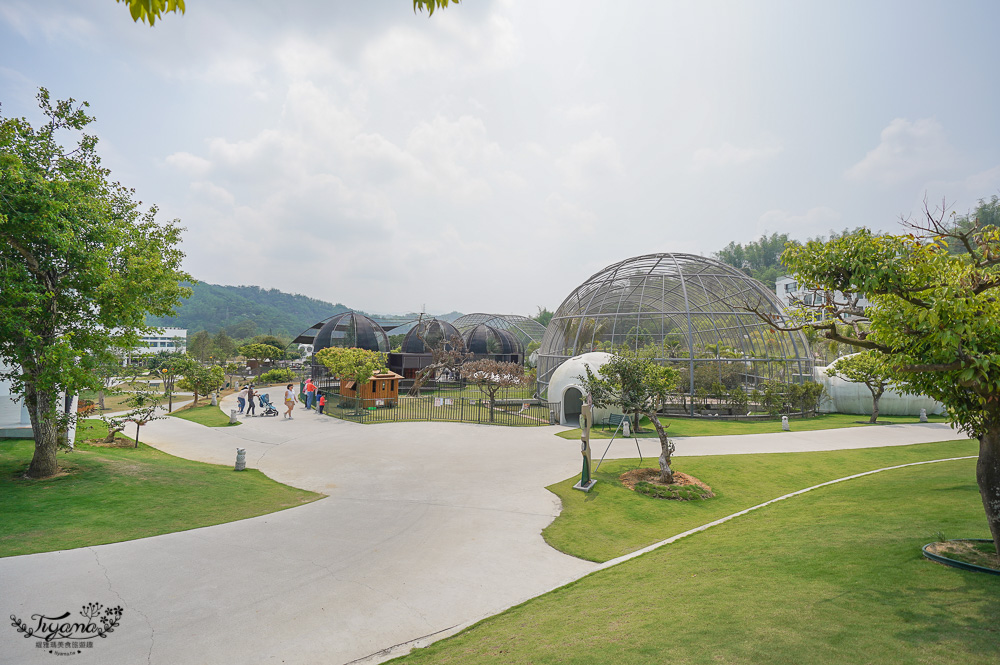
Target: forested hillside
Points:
(245, 311)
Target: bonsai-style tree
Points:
(869, 368)
(932, 316)
(81, 266)
(492, 376)
(638, 386)
(144, 404)
(358, 365)
(445, 355)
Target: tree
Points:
(869, 368)
(106, 366)
(201, 380)
(150, 10)
(80, 266)
(932, 316)
(144, 405)
(543, 316)
(638, 386)
(200, 346)
(223, 346)
(446, 355)
(492, 376)
(761, 259)
(358, 365)
(260, 352)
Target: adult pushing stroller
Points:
(265, 404)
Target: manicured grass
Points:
(715, 427)
(612, 520)
(107, 495)
(834, 576)
(207, 415)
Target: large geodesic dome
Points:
(682, 310)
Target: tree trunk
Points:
(666, 449)
(876, 396)
(988, 478)
(45, 429)
(635, 421)
(100, 401)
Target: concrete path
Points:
(426, 526)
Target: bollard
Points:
(215, 399)
(784, 424)
(241, 459)
(232, 416)
(923, 415)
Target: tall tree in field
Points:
(492, 376)
(80, 265)
(869, 368)
(638, 386)
(933, 317)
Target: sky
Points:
(494, 156)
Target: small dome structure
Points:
(843, 396)
(350, 330)
(484, 340)
(432, 332)
(684, 311)
(566, 387)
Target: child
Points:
(322, 402)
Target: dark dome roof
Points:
(477, 340)
(351, 330)
(432, 331)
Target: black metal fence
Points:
(516, 412)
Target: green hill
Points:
(247, 310)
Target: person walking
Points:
(289, 401)
(250, 405)
(310, 393)
(241, 398)
(322, 402)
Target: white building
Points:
(14, 420)
(790, 294)
(163, 339)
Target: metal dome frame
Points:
(682, 310)
(345, 329)
(525, 329)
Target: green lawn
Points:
(834, 576)
(112, 494)
(716, 427)
(208, 415)
(611, 520)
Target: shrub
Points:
(277, 376)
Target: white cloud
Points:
(189, 164)
(813, 222)
(727, 154)
(34, 20)
(907, 150)
(590, 162)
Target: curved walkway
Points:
(426, 526)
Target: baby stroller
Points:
(265, 404)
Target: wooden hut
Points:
(381, 390)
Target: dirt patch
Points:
(968, 551)
(652, 476)
(120, 442)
